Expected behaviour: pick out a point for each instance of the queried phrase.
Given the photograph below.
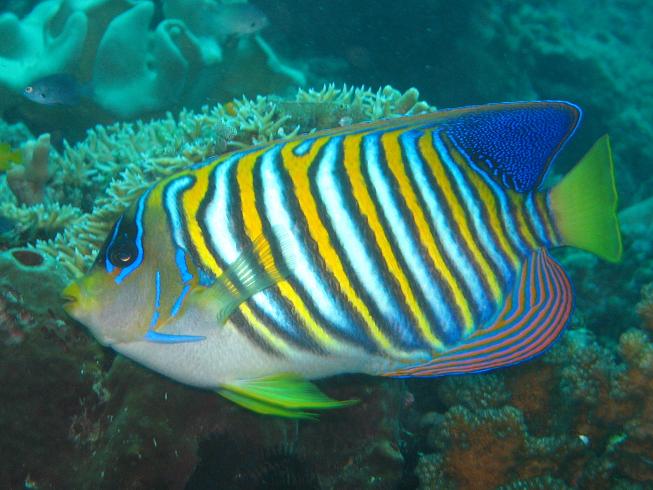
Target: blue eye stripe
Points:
(107, 263)
(139, 239)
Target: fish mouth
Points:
(70, 296)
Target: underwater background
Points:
(101, 98)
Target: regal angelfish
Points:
(414, 246)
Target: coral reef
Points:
(579, 417)
(75, 415)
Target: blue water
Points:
(153, 86)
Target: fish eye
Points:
(123, 253)
(29, 89)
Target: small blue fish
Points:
(59, 89)
(239, 19)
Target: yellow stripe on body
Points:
(298, 168)
(444, 184)
(254, 229)
(518, 202)
(352, 146)
(489, 200)
(545, 216)
(395, 161)
(155, 209)
(190, 201)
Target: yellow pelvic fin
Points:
(253, 271)
(284, 395)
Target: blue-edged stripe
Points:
(304, 147)
(138, 221)
(171, 204)
(403, 236)
(535, 220)
(107, 263)
(465, 269)
(484, 234)
(499, 193)
(283, 226)
(224, 243)
(353, 246)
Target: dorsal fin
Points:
(531, 319)
(513, 142)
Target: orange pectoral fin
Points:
(532, 318)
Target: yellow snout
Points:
(70, 295)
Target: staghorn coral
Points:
(14, 134)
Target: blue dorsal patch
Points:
(513, 142)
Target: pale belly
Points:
(227, 355)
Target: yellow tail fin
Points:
(584, 204)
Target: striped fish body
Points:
(397, 246)
(411, 247)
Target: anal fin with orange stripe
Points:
(531, 319)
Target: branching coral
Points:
(14, 134)
(488, 448)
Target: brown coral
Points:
(27, 181)
(483, 447)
